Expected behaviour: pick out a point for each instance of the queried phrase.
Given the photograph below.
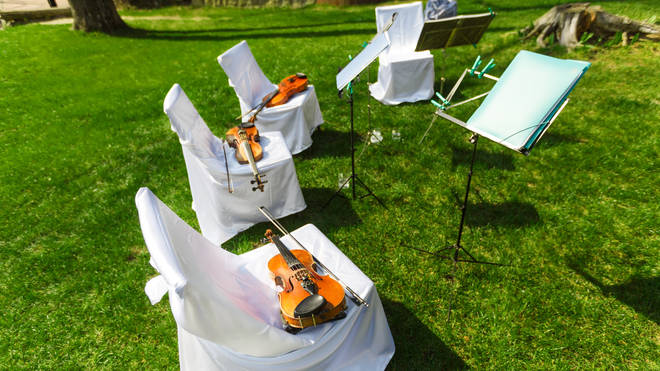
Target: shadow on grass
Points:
(330, 142)
(231, 29)
(484, 159)
(413, 339)
(339, 213)
(219, 35)
(551, 139)
(641, 294)
(512, 213)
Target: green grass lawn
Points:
(82, 128)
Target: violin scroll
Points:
(245, 139)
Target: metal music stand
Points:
(454, 31)
(517, 111)
(346, 78)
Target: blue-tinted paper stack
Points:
(523, 102)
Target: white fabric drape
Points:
(296, 120)
(222, 214)
(404, 75)
(226, 310)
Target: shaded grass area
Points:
(82, 128)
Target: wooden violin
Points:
(307, 298)
(289, 86)
(245, 139)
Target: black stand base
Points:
(353, 176)
(457, 247)
(356, 181)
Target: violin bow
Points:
(355, 297)
(229, 187)
(261, 105)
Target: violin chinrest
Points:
(311, 305)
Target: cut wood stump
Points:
(568, 23)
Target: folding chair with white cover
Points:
(226, 308)
(222, 214)
(404, 75)
(296, 119)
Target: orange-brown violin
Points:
(307, 298)
(288, 87)
(245, 139)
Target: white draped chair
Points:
(222, 214)
(226, 310)
(404, 75)
(296, 120)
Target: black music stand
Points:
(346, 78)
(453, 31)
(516, 112)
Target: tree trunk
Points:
(96, 15)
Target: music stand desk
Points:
(454, 31)
(525, 100)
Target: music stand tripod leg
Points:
(369, 192)
(457, 246)
(353, 175)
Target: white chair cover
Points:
(296, 120)
(404, 75)
(222, 214)
(226, 310)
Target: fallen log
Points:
(568, 23)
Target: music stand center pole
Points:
(353, 177)
(350, 101)
(467, 193)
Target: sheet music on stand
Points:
(362, 60)
(454, 31)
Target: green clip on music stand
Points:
(516, 113)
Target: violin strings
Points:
(358, 300)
